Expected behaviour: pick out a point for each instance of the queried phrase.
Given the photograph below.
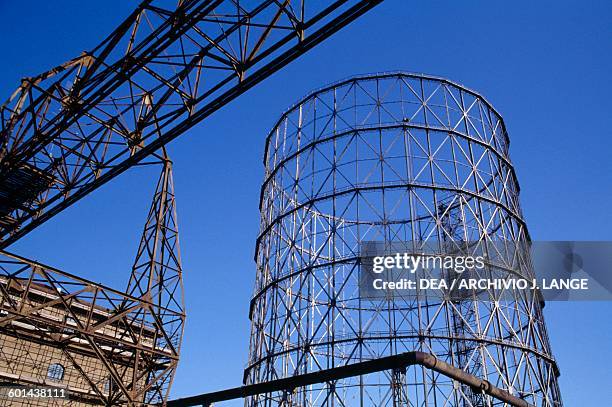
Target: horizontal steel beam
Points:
(400, 361)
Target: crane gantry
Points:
(73, 128)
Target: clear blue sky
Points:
(544, 65)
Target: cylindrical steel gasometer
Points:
(391, 159)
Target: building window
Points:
(55, 371)
(70, 323)
(110, 385)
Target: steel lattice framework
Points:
(117, 348)
(66, 131)
(390, 158)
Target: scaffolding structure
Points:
(391, 158)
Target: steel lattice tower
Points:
(390, 158)
(111, 347)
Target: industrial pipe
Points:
(400, 361)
